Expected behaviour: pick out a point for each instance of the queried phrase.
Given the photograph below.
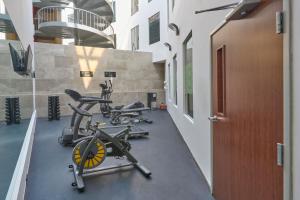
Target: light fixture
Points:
(168, 45)
(174, 27)
(240, 9)
(227, 6)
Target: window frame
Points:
(114, 7)
(134, 8)
(175, 80)
(135, 29)
(173, 4)
(186, 98)
(169, 82)
(151, 40)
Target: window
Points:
(154, 29)
(175, 79)
(188, 75)
(169, 81)
(134, 6)
(135, 38)
(114, 10)
(173, 4)
(221, 80)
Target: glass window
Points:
(175, 79)
(154, 29)
(169, 81)
(114, 10)
(173, 4)
(134, 6)
(135, 38)
(188, 75)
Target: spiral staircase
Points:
(6, 25)
(87, 21)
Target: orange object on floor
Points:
(163, 106)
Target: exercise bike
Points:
(91, 151)
(131, 113)
(129, 116)
(77, 130)
(106, 91)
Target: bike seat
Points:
(80, 111)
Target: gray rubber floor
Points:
(11, 140)
(175, 176)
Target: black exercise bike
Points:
(91, 151)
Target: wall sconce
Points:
(174, 27)
(228, 6)
(168, 45)
(240, 9)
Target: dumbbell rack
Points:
(12, 110)
(53, 108)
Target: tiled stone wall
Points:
(58, 68)
(13, 85)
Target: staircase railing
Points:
(75, 16)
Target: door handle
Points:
(213, 118)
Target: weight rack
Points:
(53, 108)
(12, 110)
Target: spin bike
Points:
(91, 151)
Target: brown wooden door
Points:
(247, 91)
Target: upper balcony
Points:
(86, 27)
(100, 7)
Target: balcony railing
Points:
(75, 16)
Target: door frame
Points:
(287, 99)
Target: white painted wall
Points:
(196, 132)
(125, 22)
(296, 96)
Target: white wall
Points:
(196, 132)
(125, 22)
(296, 96)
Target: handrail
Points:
(76, 16)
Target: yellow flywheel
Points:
(96, 154)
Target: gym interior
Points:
(153, 100)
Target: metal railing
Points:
(76, 16)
